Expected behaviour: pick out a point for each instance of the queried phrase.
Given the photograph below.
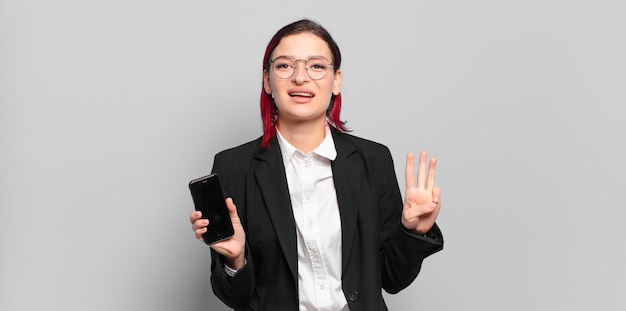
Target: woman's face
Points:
(300, 98)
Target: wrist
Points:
(236, 263)
(413, 231)
(232, 272)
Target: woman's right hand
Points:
(233, 249)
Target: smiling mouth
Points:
(297, 94)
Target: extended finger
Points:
(409, 174)
(431, 173)
(421, 170)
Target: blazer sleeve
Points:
(235, 291)
(402, 252)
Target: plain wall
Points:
(109, 108)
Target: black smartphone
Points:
(208, 197)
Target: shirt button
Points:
(322, 287)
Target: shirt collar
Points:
(326, 149)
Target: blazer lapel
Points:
(271, 180)
(347, 176)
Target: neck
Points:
(304, 136)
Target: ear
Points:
(337, 83)
(266, 82)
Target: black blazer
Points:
(377, 252)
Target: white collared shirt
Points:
(318, 224)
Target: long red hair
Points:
(268, 108)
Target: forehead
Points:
(302, 46)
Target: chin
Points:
(303, 117)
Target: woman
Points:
(318, 215)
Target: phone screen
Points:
(208, 198)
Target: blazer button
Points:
(354, 296)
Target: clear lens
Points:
(283, 67)
(317, 67)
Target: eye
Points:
(283, 64)
(317, 64)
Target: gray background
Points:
(109, 108)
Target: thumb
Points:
(436, 194)
(232, 209)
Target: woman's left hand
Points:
(422, 202)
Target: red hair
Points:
(268, 108)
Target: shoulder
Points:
(368, 148)
(249, 147)
(236, 154)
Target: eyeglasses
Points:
(316, 67)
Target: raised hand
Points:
(232, 249)
(422, 202)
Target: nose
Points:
(300, 75)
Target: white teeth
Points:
(301, 94)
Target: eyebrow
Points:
(288, 56)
